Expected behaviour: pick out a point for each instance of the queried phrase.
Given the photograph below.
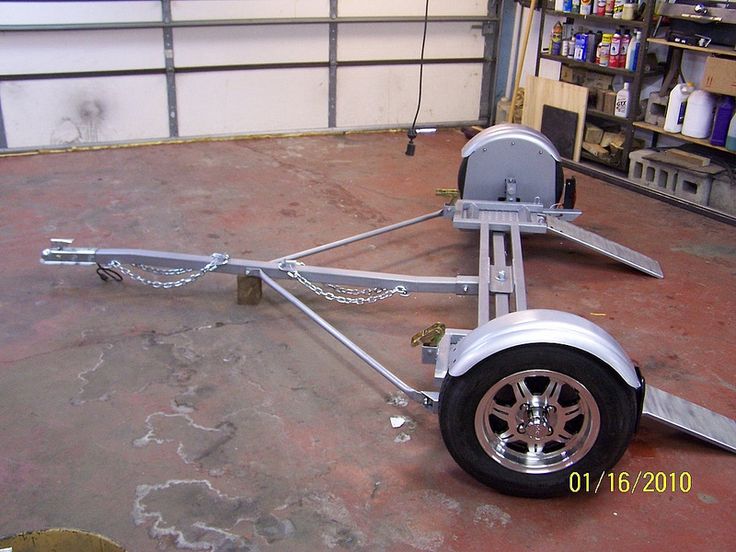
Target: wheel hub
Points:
(536, 424)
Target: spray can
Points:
(586, 7)
(609, 7)
(567, 6)
(600, 8)
(613, 56)
(575, 6)
(676, 107)
(556, 43)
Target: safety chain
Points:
(162, 271)
(218, 259)
(360, 296)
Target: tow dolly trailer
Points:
(527, 397)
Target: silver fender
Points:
(542, 326)
(509, 131)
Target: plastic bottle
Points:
(556, 45)
(632, 55)
(590, 46)
(604, 50)
(581, 43)
(613, 55)
(724, 112)
(623, 52)
(586, 7)
(698, 121)
(731, 137)
(676, 107)
(622, 102)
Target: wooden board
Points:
(559, 126)
(540, 92)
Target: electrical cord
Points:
(412, 132)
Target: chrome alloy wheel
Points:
(537, 421)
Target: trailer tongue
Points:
(527, 397)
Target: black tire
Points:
(536, 458)
(461, 173)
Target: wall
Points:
(83, 86)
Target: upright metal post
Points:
(491, 31)
(332, 82)
(168, 34)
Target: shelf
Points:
(660, 130)
(591, 66)
(715, 49)
(598, 20)
(606, 116)
(625, 73)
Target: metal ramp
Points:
(690, 418)
(608, 248)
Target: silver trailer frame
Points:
(545, 388)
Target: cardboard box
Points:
(609, 102)
(598, 80)
(719, 76)
(573, 75)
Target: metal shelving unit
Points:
(635, 78)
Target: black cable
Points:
(105, 273)
(412, 132)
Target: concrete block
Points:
(693, 187)
(723, 195)
(656, 109)
(650, 173)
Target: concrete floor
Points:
(179, 420)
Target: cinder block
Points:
(650, 173)
(656, 109)
(693, 187)
(723, 195)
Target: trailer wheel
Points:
(525, 419)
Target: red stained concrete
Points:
(161, 418)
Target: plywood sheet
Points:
(539, 92)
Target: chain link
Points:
(359, 296)
(218, 259)
(162, 271)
